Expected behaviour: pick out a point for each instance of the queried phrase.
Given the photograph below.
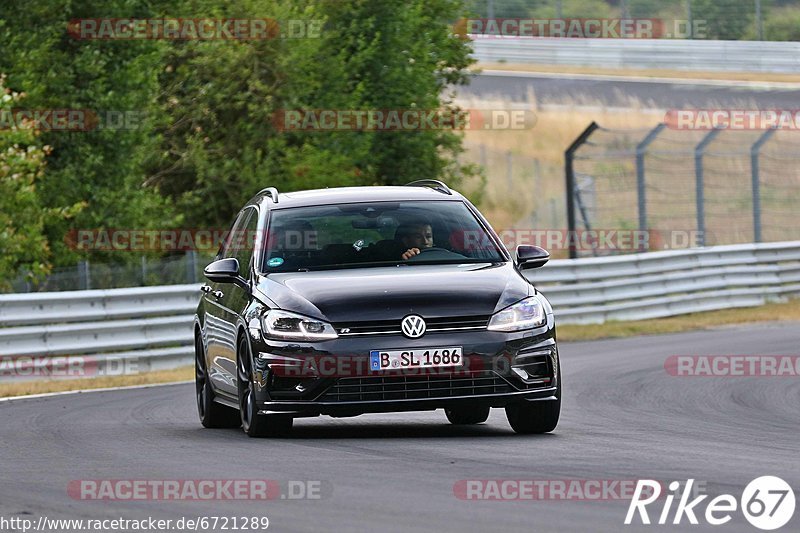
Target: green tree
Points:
(217, 140)
(102, 166)
(782, 24)
(575, 9)
(26, 249)
(503, 8)
(656, 8)
(725, 19)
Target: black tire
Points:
(211, 413)
(528, 418)
(253, 424)
(464, 415)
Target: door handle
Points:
(218, 294)
(205, 288)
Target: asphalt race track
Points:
(601, 91)
(624, 418)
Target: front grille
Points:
(387, 327)
(368, 389)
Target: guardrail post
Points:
(84, 276)
(699, 185)
(755, 168)
(569, 159)
(641, 150)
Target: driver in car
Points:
(415, 238)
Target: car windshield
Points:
(375, 234)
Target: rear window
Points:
(375, 234)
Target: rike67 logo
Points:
(767, 502)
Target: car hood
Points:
(390, 293)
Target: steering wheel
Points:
(432, 249)
(441, 253)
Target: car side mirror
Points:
(531, 257)
(225, 271)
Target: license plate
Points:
(452, 357)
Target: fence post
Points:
(569, 160)
(84, 277)
(759, 21)
(144, 271)
(641, 150)
(699, 185)
(755, 169)
(582, 208)
(191, 266)
(510, 170)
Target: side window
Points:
(247, 240)
(226, 250)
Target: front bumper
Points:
(342, 409)
(500, 368)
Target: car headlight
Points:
(279, 324)
(526, 314)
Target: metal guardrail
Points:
(96, 332)
(151, 326)
(661, 284)
(705, 55)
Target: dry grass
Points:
(533, 194)
(647, 73)
(782, 312)
(556, 128)
(537, 179)
(40, 387)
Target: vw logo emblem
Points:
(413, 326)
